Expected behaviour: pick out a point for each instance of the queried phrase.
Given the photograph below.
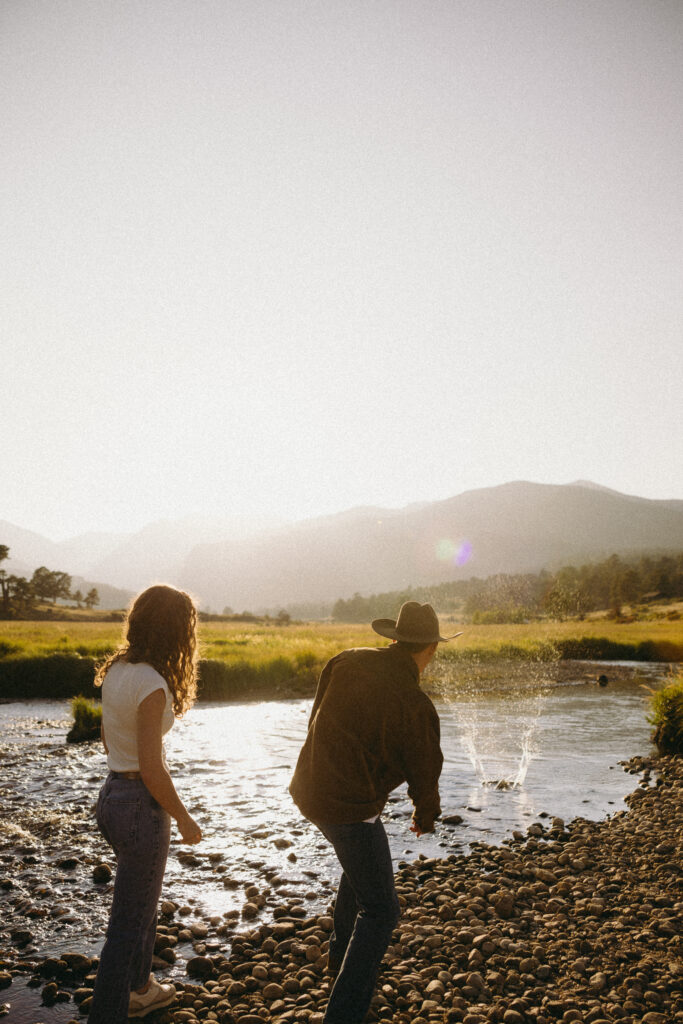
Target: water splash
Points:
(528, 752)
(500, 751)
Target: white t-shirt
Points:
(124, 688)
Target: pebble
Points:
(101, 873)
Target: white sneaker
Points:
(153, 999)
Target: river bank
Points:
(573, 923)
(274, 661)
(58, 676)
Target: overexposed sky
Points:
(284, 258)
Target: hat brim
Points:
(387, 628)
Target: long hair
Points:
(161, 630)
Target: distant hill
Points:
(127, 561)
(516, 527)
(262, 564)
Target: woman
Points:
(147, 683)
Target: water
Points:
(516, 746)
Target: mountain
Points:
(28, 550)
(157, 553)
(254, 564)
(124, 563)
(516, 527)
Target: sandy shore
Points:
(571, 923)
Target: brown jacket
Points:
(371, 728)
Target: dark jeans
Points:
(139, 831)
(365, 914)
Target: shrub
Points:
(240, 680)
(600, 648)
(667, 716)
(54, 676)
(87, 721)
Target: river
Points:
(517, 750)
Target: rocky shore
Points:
(577, 923)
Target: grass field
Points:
(313, 643)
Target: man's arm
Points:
(423, 759)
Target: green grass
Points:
(238, 659)
(87, 721)
(256, 643)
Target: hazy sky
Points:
(290, 257)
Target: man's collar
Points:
(405, 658)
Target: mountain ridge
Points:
(518, 526)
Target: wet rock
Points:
(101, 873)
(68, 863)
(282, 844)
(84, 1007)
(199, 967)
(49, 994)
(77, 962)
(5, 979)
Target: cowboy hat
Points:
(416, 624)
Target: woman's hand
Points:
(189, 829)
(153, 770)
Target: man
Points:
(371, 728)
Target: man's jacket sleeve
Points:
(422, 759)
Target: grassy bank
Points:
(56, 659)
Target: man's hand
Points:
(420, 831)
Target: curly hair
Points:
(160, 629)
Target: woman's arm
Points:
(104, 742)
(154, 774)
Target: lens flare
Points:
(457, 552)
(445, 549)
(464, 553)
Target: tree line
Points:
(19, 595)
(567, 593)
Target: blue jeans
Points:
(365, 914)
(139, 830)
